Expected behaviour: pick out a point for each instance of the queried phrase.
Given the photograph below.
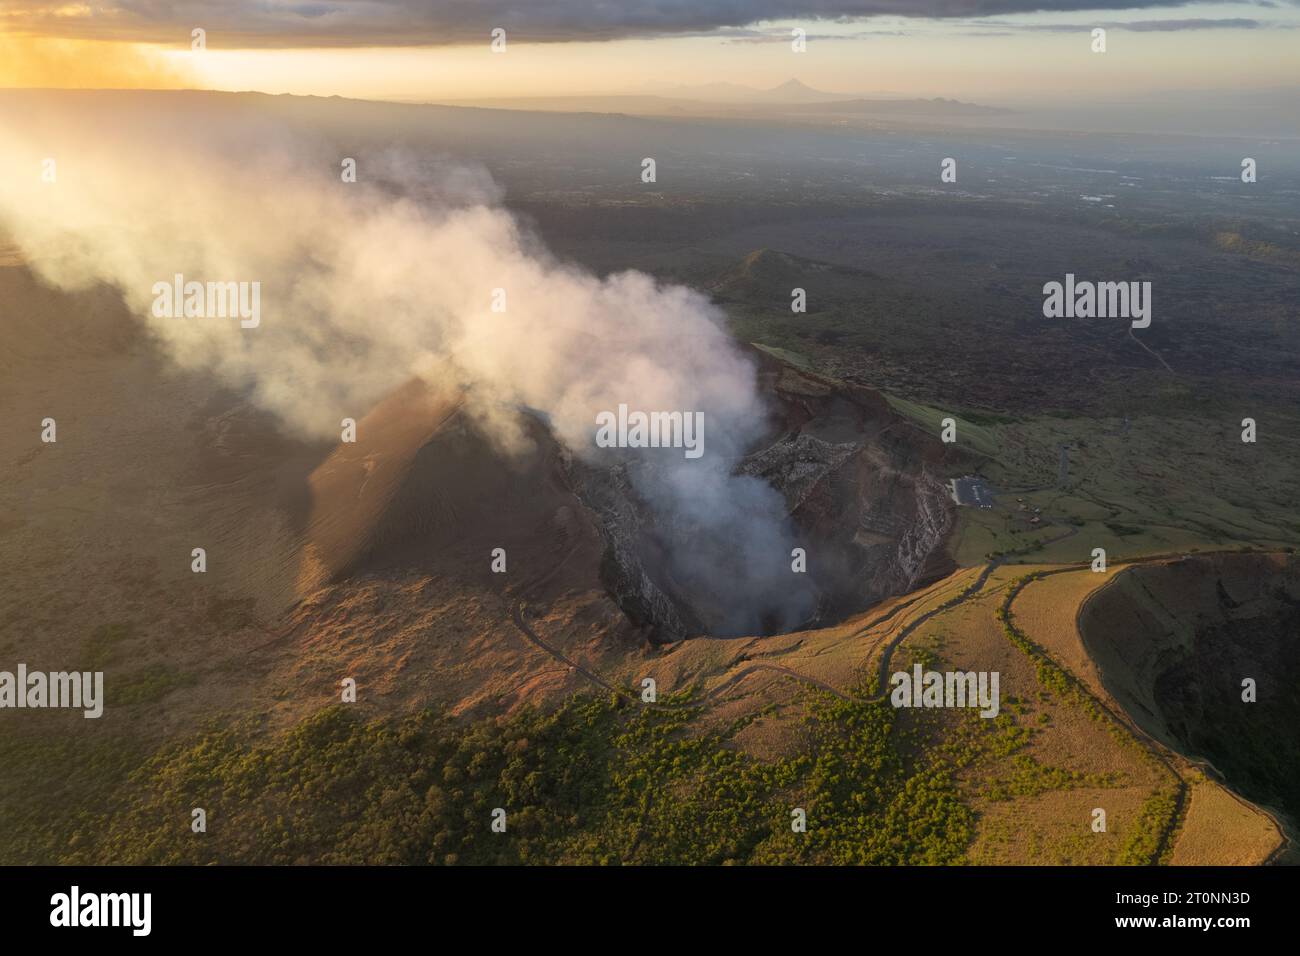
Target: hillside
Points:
(1175, 642)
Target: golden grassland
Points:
(1056, 755)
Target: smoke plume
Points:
(366, 284)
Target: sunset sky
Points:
(430, 50)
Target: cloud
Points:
(354, 23)
(1136, 26)
(1149, 26)
(85, 64)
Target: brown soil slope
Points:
(373, 548)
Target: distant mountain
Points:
(794, 92)
(791, 91)
(939, 106)
(713, 92)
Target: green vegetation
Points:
(1151, 839)
(1146, 845)
(147, 685)
(99, 650)
(1051, 675)
(785, 355)
(969, 434)
(1149, 484)
(1030, 778)
(597, 780)
(56, 773)
(866, 805)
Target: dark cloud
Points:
(1142, 26)
(1145, 26)
(242, 23)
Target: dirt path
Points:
(882, 676)
(519, 607)
(1152, 352)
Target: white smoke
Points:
(365, 285)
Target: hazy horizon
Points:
(1028, 56)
